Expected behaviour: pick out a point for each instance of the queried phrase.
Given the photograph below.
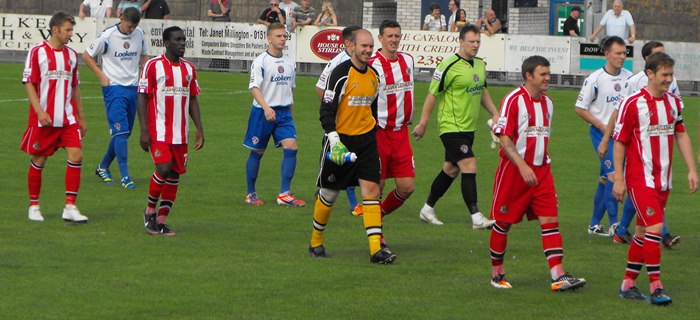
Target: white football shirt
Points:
(120, 53)
(98, 8)
(275, 77)
(338, 59)
(602, 92)
(640, 80)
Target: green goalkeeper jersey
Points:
(458, 85)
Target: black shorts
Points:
(458, 146)
(366, 167)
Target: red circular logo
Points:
(127, 45)
(327, 43)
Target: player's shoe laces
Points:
(659, 298)
(427, 215)
(500, 282)
(164, 230)
(598, 230)
(288, 199)
(357, 210)
(670, 240)
(104, 175)
(632, 293)
(481, 222)
(149, 223)
(252, 199)
(72, 214)
(622, 238)
(383, 256)
(318, 252)
(34, 213)
(567, 282)
(127, 183)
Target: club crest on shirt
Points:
(607, 164)
(157, 153)
(476, 78)
(126, 45)
(280, 69)
(117, 126)
(504, 209)
(189, 77)
(650, 211)
(618, 87)
(36, 146)
(464, 148)
(331, 178)
(408, 70)
(255, 140)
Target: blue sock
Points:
(628, 213)
(598, 205)
(665, 231)
(252, 167)
(610, 203)
(109, 155)
(289, 165)
(351, 197)
(121, 150)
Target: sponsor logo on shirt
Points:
(126, 54)
(661, 130)
(610, 99)
(360, 101)
(437, 75)
(169, 91)
(58, 74)
(475, 90)
(143, 85)
(398, 87)
(328, 96)
(537, 131)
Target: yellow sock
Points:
(322, 213)
(372, 218)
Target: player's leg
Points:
(498, 241)
(469, 193)
(511, 197)
(256, 139)
(162, 159)
(72, 183)
(399, 165)
(440, 185)
(39, 143)
(355, 207)
(287, 169)
(397, 197)
(36, 167)
(124, 122)
(102, 170)
(622, 234)
(322, 213)
(372, 219)
(594, 227)
(611, 204)
(668, 239)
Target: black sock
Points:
(440, 185)
(469, 191)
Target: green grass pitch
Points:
(232, 261)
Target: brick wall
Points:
(528, 20)
(408, 14)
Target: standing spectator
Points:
(136, 4)
(55, 114)
(571, 23)
(524, 185)
(220, 10)
(99, 9)
(273, 14)
(460, 21)
(453, 6)
(155, 9)
(327, 16)
(288, 7)
(434, 21)
(458, 88)
(168, 92)
(122, 47)
(489, 24)
(272, 83)
(616, 22)
(304, 15)
(648, 122)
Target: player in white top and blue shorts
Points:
(122, 47)
(272, 82)
(602, 91)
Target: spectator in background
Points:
(327, 16)
(571, 23)
(288, 7)
(155, 9)
(435, 21)
(616, 22)
(99, 9)
(453, 6)
(304, 15)
(460, 21)
(136, 4)
(219, 10)
(273, 14)
(489, 24)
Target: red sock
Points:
(497, 244)
(72, 181)
(34, 182)
(392, 202)
(167, 198)
(635, 262)
(552, 246)
(652, 255)
(154, 190)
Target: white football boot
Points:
(72, 214)
(427, 214)
(34, 214)
(481, 222)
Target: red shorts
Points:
(513, 198)
(44, 141)
(395, 153)
(176, 154)
(649, 203)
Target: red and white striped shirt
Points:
(395, 103)
(54, 73)
(526, 121)
(169, 87)
(647, 125)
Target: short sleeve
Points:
(98, 46)
(439, 81)
(147, 82)
(606, 16)
(588, 93)
(194, 84)
(625, 122)
(323, 79)
(75, 79)
(508, 119)
(442, 21)
(31, 67)
(256, 75)
(427, 19)
(628, 19)
(263, 15)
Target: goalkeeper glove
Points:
(495, 141)
(338, 149)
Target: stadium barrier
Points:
(572, 58)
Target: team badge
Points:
(673, 112)
(408, 70)
(189, 77)
(127, 45)
(476, 78)
(157, 153)
(373, 84)
(650, 211)
(36, 146)
(464, 148)
(608, 164)
(618, 87)
(504, 209)
(255, 140)
(331, 178)
(117, 126)
(280, 69)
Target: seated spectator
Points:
(273, 14)
(460, 21)
(155, 9)
(327, 16)
(435, 21)
(136, 4)
(304, 15)
(219, 10)
(489, 24)
(99, 9)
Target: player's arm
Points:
(43, 116)
(620, 186)
(488, 104)
(141, 109)
(603, 146)
(588, 117)
(92, 65)
(78, 105)
(428, 105)
(514, 157)
(686, 149)
(258, 96)
(196, 116)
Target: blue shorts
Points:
(120, 104)
(260, 130)
(606, 164)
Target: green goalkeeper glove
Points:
(338, 149)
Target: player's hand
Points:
(145, 140)
(603, 148)
(44, 118)
(199, 140)
(418, 131)
(693, 181)
(82, 125)
(104, 81)
(338, 149)
(620, 187)
(269, 114)
(529, 176)
(495, 141)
